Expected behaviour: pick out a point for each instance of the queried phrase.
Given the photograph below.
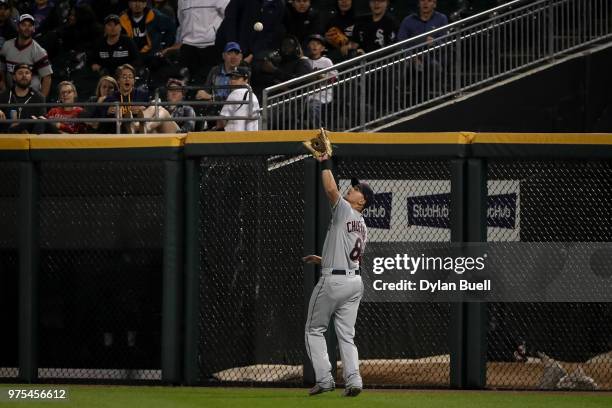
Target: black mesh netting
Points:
(101, 228)
(252, 290)
(252, 301)
(402, 344)
(9, 270)
(551, 345)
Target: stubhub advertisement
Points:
(419, 210)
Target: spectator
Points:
(114, 49)
(127, 95)
(81, 31)
(238, 26)
(68, 94)
(292, 64)
(8, 29)
(45, 16)
(164, 7)
(339, 32)
(301, 20)
(377, 30)
(150, 30)
(175, 93)
(249, 107)
(107, 85)
(25, 50)
(217, 77)
(319, 101)
(426, 20)
(22, 93)
(199, 23)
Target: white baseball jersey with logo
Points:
(338, 295)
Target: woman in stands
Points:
(68, 94)
(107, 85)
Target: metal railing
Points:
(118, 119)
(378, 87)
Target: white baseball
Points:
(258, 26)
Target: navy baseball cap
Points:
(111, 17)
(232, 46)
(365, 189)
(240, 71)
(317, 37)
(17, 67)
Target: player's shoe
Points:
(351, 391)
(317, 389)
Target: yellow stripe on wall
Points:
(15, 142)
(105, 141)
(545, 138)
(272, 136)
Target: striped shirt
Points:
(32, 54)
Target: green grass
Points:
(199, 397)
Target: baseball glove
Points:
(335, 37)
(319, 145)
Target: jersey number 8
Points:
(355, 254)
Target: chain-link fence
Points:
(100, 282)
(551, 345)
(252, 302)
(252, 307)
(9, 271)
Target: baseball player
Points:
(340, 288)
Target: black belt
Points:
(343, 272)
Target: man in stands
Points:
(22, 93)
(377, 30)
(114, 50)
(426, 20)
(150, 30)
(25, 50)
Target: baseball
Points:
(258, 26)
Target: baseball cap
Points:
(240, 71)
(232, 46)
(25, 17)
(111, 17)
(4, 3)
(17, 67)
(317, 37)
(365, 189)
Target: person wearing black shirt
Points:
(114, 50)
(22, 93)
(377, 30)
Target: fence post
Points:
(458, 62)
(476, 312)
(192, 271)
(29, 260)
(456, 324)
(172, 273)
(265, 110)
(362, 96)
(551, 29)
(311, 204)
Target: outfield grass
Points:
(199, 397)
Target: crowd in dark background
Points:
(195, 42)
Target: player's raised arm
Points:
(327, 177)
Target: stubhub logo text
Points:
(434, 211)
(378, 214)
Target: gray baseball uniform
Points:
(337, 295)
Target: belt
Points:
(344, 272)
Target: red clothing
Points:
(68, 127)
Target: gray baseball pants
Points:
(338, 296)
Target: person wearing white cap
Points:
(25, 50)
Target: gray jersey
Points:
(346, 238)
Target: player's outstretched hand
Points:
(312, 259)
(322, 158)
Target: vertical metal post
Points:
(551, 31)
(311, 204)
(117, 116)
(362, 96)
(29, 259)
(458, 62)
(192, 271)
(476, 313)
(172, 299)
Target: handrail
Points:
(373, 88)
